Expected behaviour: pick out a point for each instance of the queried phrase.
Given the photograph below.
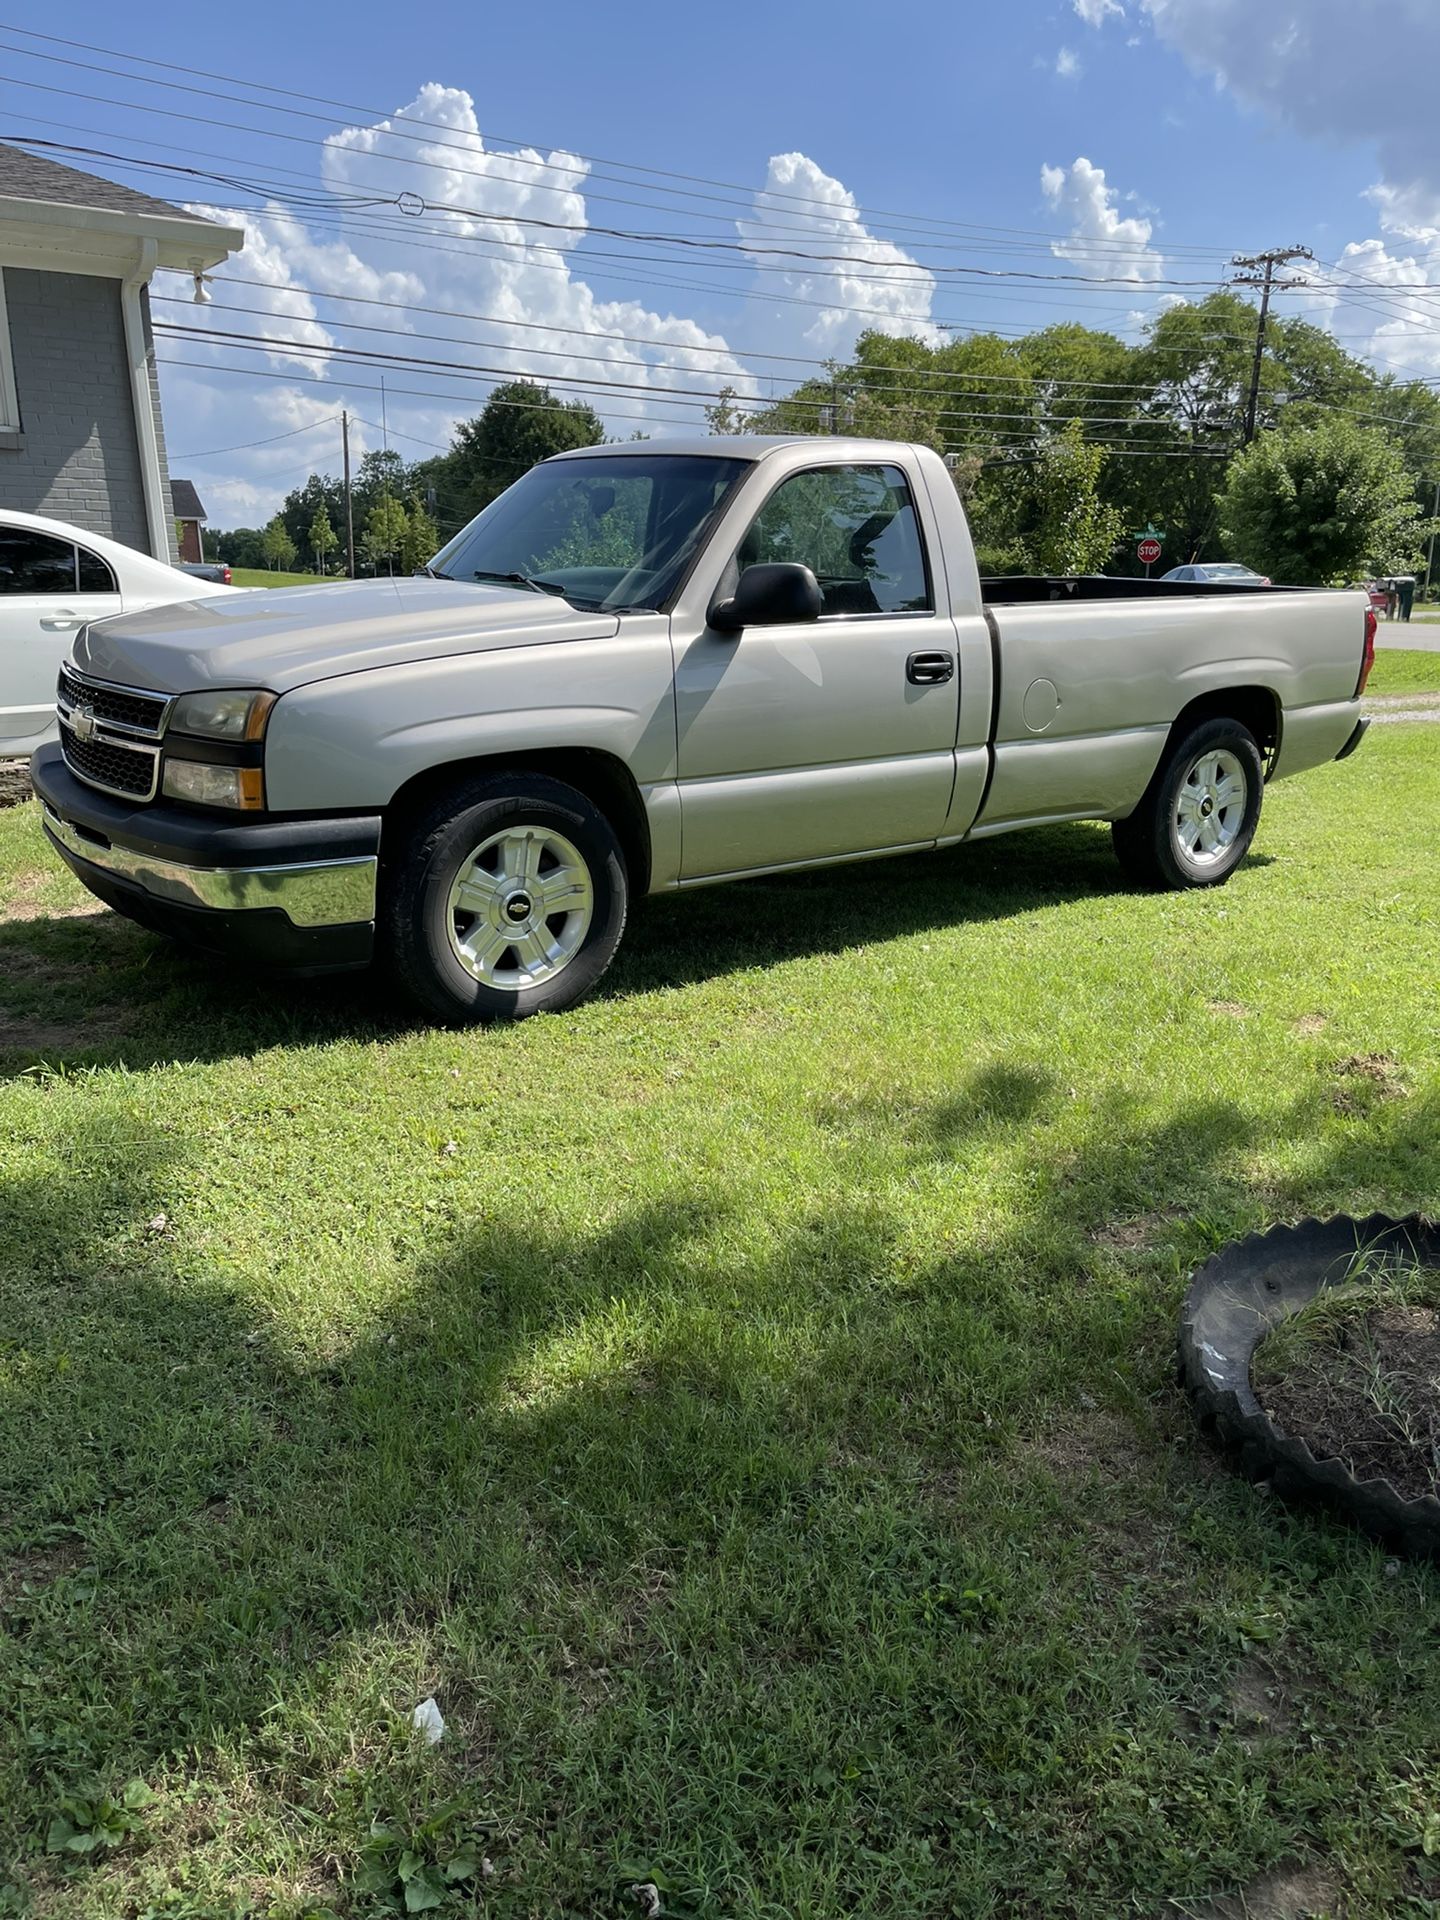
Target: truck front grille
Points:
(124, 708)
(110, 764)
(110, 735)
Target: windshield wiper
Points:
(535, 584)
(433, 573)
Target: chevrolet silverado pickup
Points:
(657, 666)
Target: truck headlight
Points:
(231, 714)
(207, 785)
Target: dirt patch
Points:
(1133, 1236)
(101, 1027)
(1365, 1077)
(1290, 1892)
(1232, 1009)
(1084, 1440)
(1258, 1702)
(32, 1568)
(1310, 1024)
(14, 782)
(1367, 1393)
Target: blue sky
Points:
(1141, 141)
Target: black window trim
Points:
(839, 466)
(100, 561)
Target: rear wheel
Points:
(507, 898)
(1199, 814)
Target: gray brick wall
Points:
(78, 459)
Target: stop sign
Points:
(1148, 552)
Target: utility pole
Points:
(349, 506)
(1260, 272)
(1430, 557)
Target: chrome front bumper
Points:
(321, 893)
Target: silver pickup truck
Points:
(655, 666)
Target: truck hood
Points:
(290, 636)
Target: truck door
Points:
(831, 736)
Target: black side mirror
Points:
(772, 595)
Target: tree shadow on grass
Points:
(94, 989)
(565, 1477)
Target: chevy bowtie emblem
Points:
(82, 724)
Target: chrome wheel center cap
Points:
(518, 908)
(1207, 806)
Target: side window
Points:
(35, 562)
(95, 574)
(856, 529)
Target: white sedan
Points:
(55, 579)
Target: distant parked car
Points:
(1379, 598)
(54, 580)
(1219, 573)
(215, 570)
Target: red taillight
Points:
(1367, 658)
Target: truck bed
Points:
(1025, 589)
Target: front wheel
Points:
(1199, 814)
(507, 898)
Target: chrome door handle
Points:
(61, 621)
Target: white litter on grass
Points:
(646, 1896)
(427, 1719)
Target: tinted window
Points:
(857, 531)
(35, 562)
(95, 574)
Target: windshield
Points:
(614, 532)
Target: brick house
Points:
(81, 437)
(190, 516)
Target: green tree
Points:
(381, 475)
(322, 539)
(386, 526)
(1314, 505)
(420, 540)
(1074, 530)
(278, 548)
(726, 415)
(300, 506)
(520, 424)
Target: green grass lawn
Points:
(263, 577)
(1405, 670)
(746, 1404)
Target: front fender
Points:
(350, 743)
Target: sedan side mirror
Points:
(772, 595)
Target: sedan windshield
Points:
(610, 531)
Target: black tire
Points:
(1234, 1300)
(419, 930)
(1148, 844)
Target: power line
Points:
(886, 272)
(433, 129)
(244, 446)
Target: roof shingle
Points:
(31, 176)
(185, 500)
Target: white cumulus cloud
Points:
(802, 209)
(1101, 239)
(1096, 12)
(489, 242)
(1067, 64)
(1330, 69)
